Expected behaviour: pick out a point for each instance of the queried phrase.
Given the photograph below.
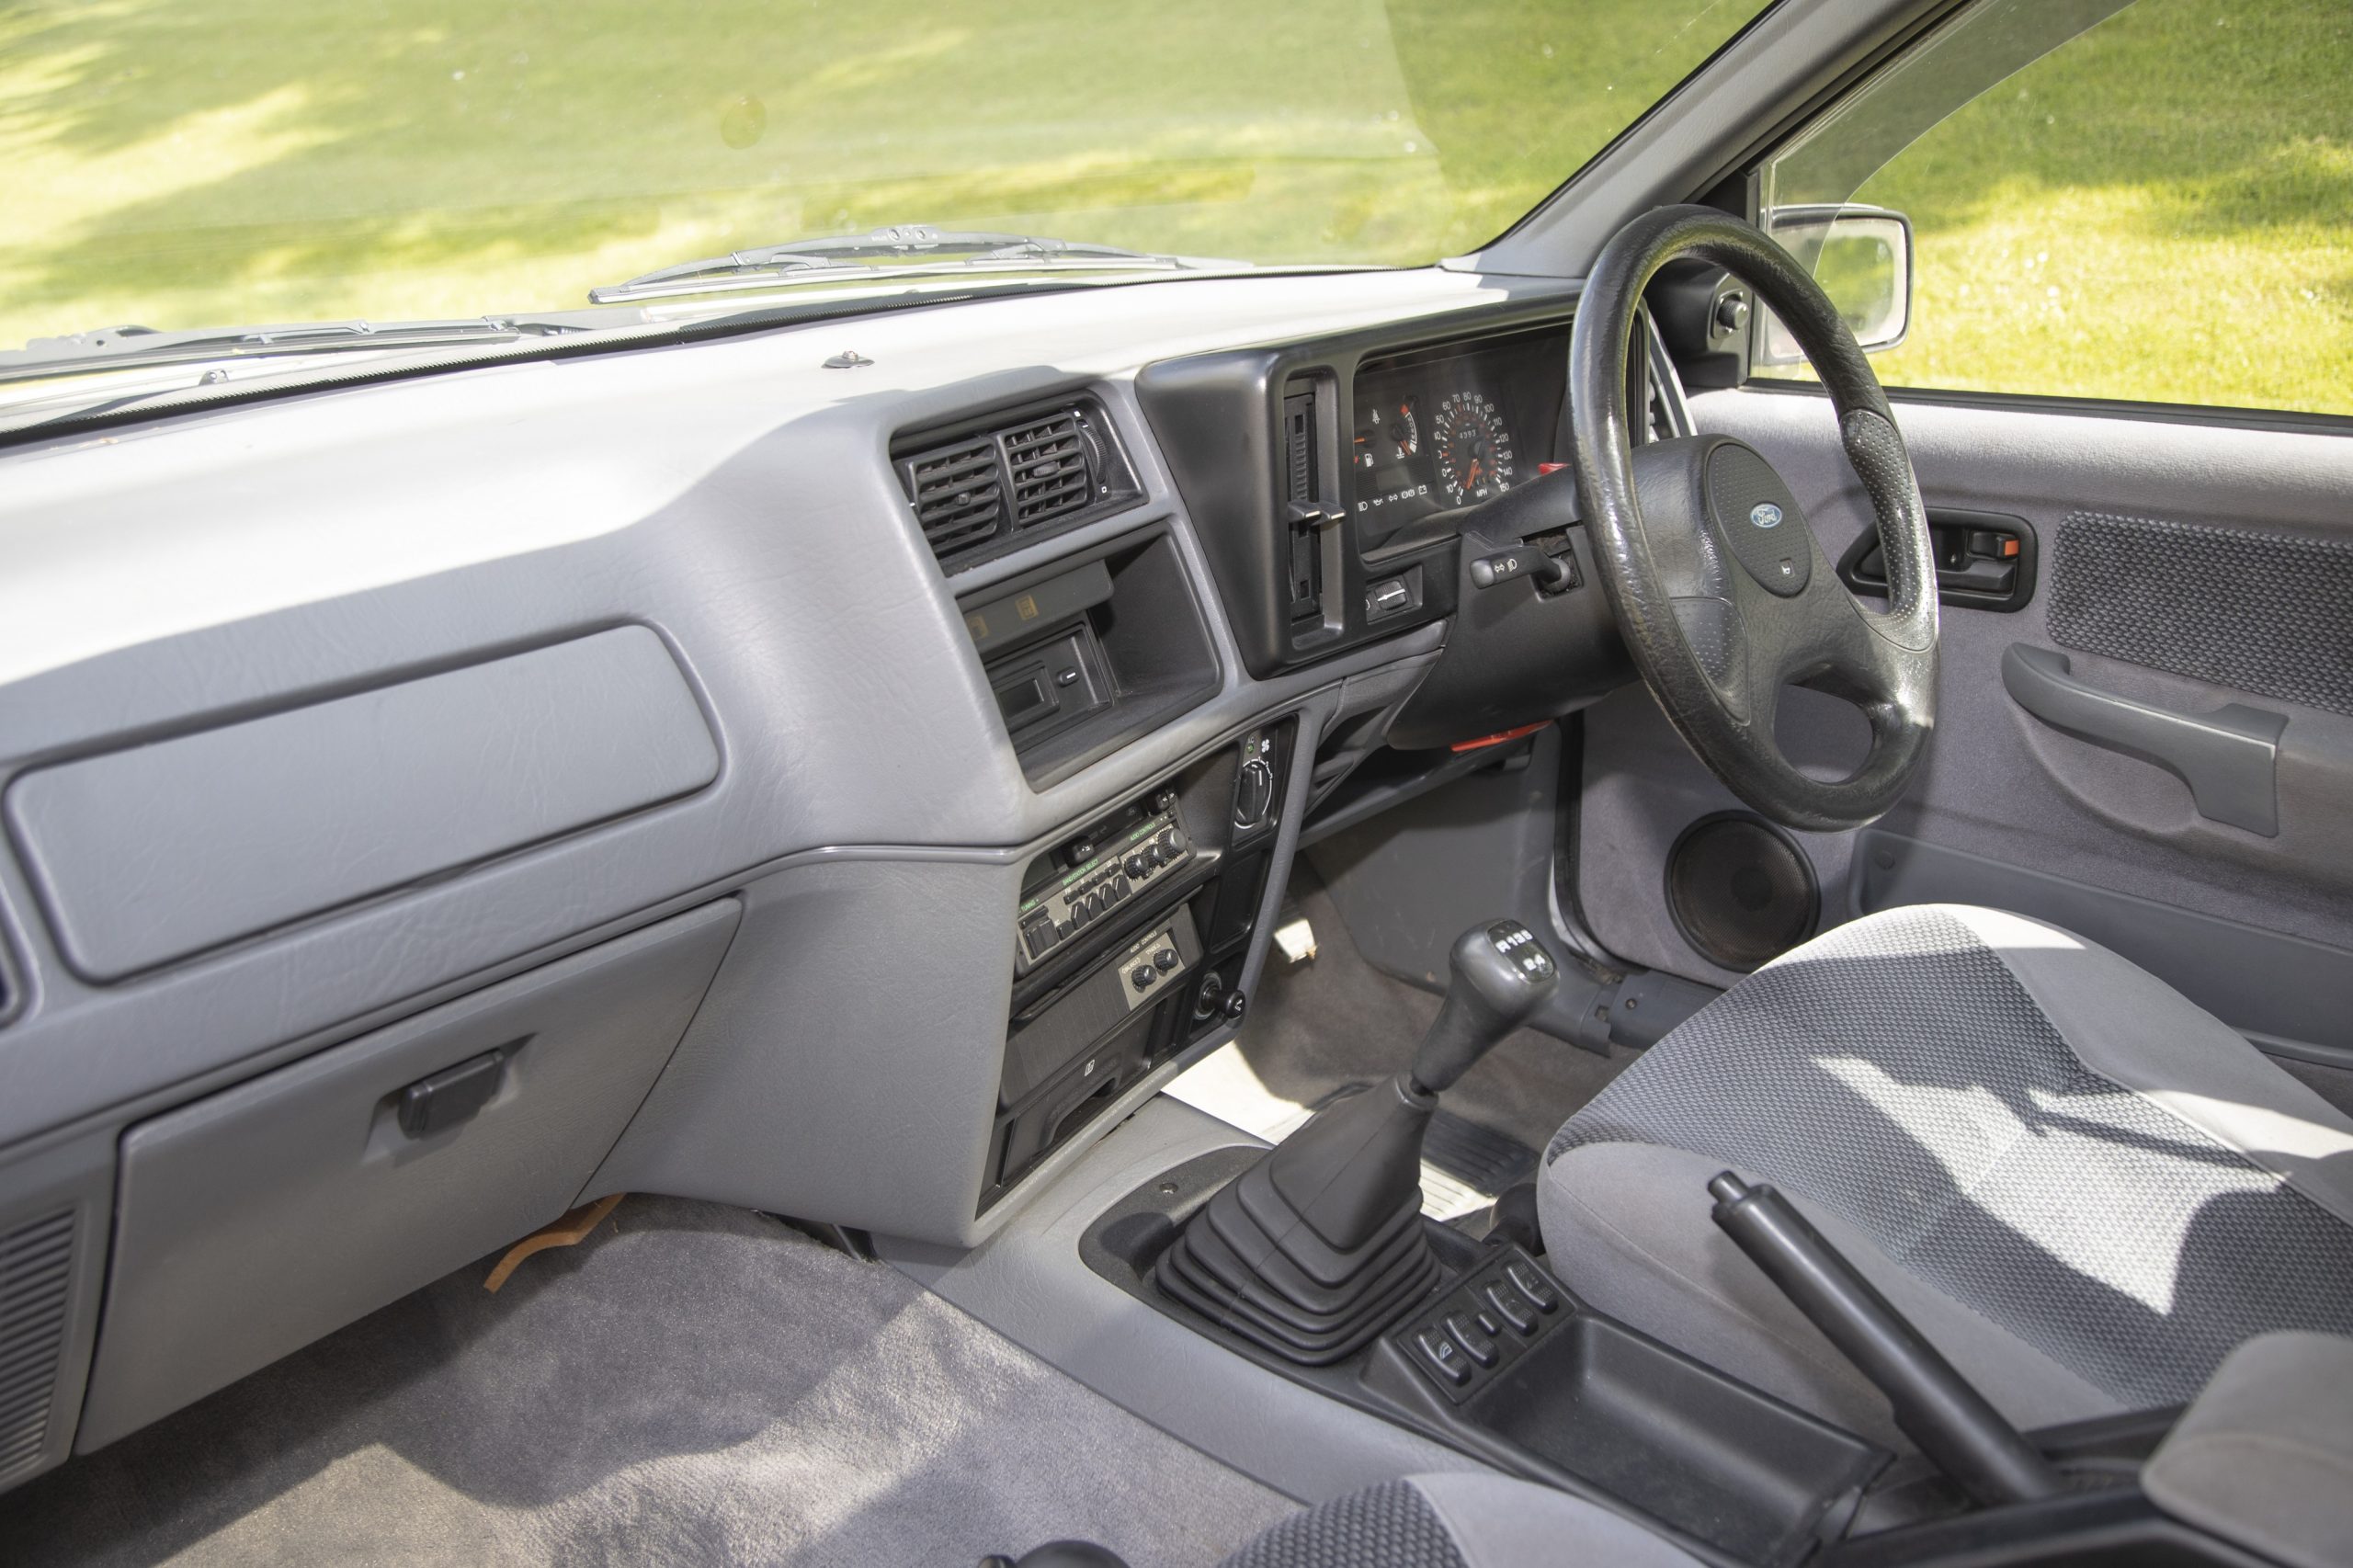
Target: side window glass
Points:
(2150, 202)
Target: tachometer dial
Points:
(1474, 451)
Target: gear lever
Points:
(1502, 975)
(1317, 1247)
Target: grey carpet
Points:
(1335, 1019)
(692, 1385)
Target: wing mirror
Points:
(1862, 259)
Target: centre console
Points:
(1499, 1360)
(1129, 943)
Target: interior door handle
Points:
(2229, 757)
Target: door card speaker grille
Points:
(2257, 612)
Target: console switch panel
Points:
(1459, 1341)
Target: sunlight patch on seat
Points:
(1980, 1140)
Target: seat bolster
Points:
(2264, 1456)
(2133, 1029)
(1459, 1520)
(1499, 1522)
(1628, 1227)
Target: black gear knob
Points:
(1501, 975)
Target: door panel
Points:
(2243, 583)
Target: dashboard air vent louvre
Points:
(36, 1269)
(1030, 470)
(958, 495)
(1051, 475)
(1298, 444)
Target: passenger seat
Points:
(1459, 1521)
(1429, 1521)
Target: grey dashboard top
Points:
(168, 584)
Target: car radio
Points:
(1106, 868)
(1130, 939)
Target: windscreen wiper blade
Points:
(836, 257)
(112, 348)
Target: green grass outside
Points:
(2187, 187)
(2160, 210)
(186, 162)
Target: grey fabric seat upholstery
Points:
(2084, 1188)
(1459, 1521)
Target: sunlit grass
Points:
(177, 162)
(2161, 210)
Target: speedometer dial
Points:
(1474, 450)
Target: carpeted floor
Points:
(1335, 1019)
(693, 1385)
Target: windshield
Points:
(184, 164)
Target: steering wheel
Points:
(1722, 595)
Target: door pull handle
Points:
(2229, 757)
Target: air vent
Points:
(36, 1263)
(959, 495)
(1299, 444)
(1050, 467)
(1052, 476)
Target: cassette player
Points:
(1103, 875)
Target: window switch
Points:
(1532, 1285)
(1481, 1349)
(1512, 1307)
(1443, 1357)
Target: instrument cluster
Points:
(1437, 428)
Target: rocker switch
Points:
(1482, 1349)
(1512, 1307)
(1443, 1356)
(1531, 1285)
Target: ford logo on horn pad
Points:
(1765, 515)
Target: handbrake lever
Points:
(1937, 1408)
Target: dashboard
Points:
(835, 873)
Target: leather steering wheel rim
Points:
(1719, 608)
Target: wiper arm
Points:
(840, 257)
(121, 347)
